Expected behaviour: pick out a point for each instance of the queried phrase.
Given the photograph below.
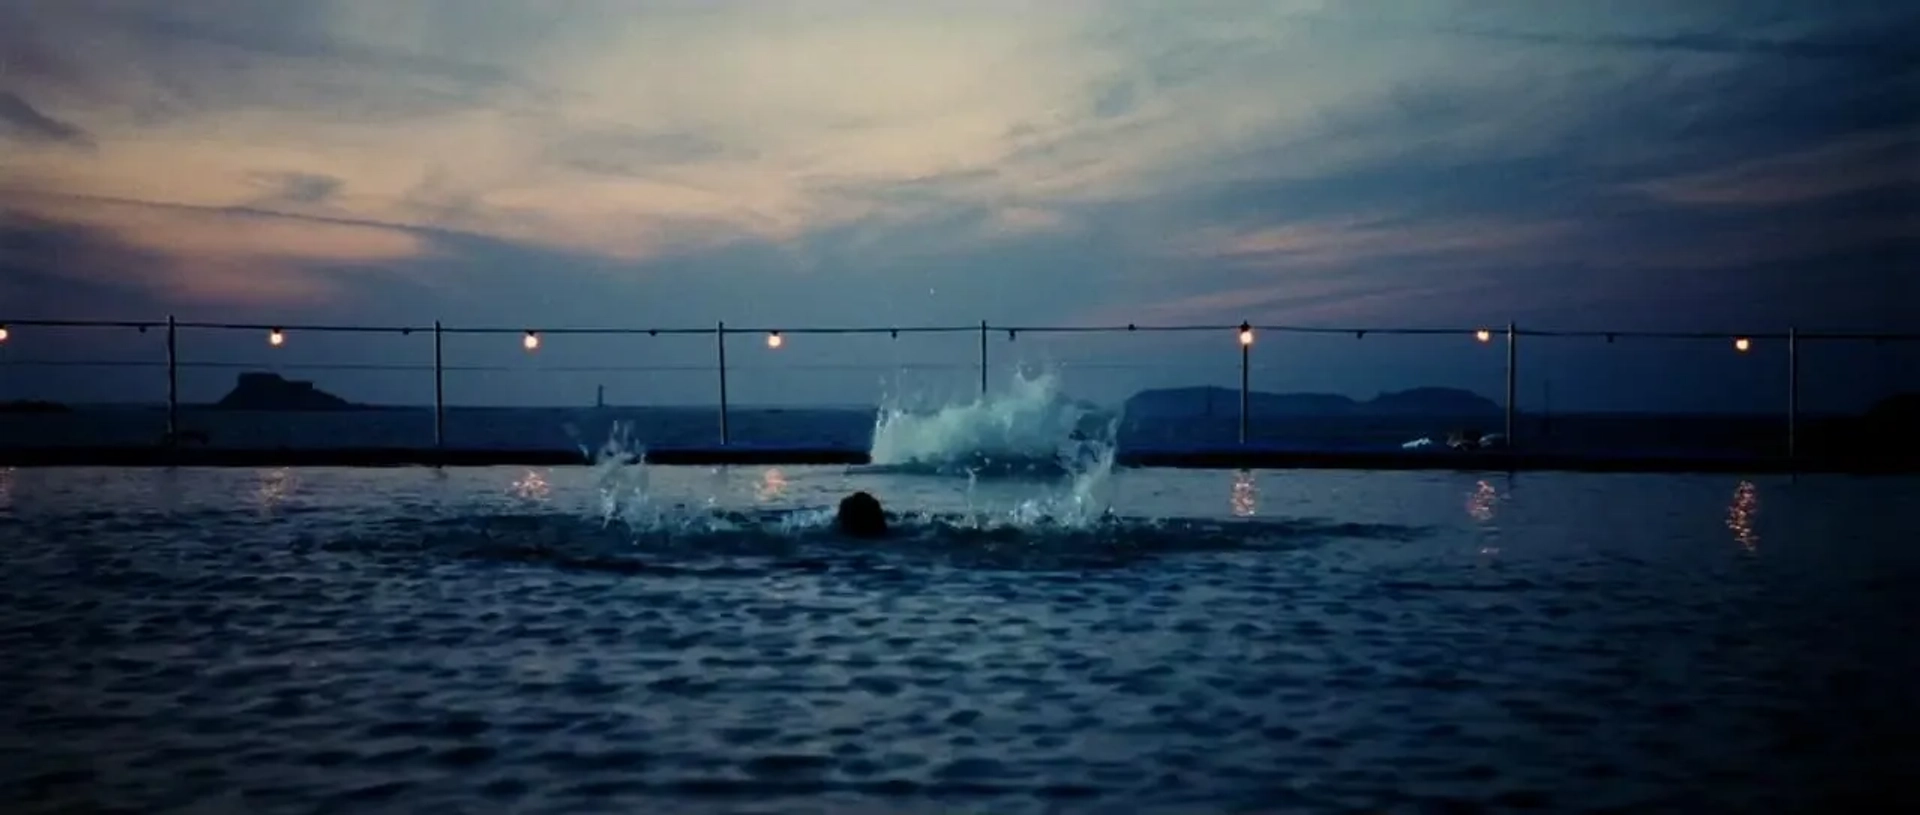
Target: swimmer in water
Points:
(860, 516)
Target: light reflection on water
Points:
(275, 486)
(1246, 494)
(1482, 502)
(772, 485)
(532, 486)
(1742, 512)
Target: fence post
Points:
(173, 383)
(1793, 392)
(983, 360)
(720, 341)
(1246, 349)
(439, 392)
(1513, 372)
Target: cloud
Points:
(1881, 44)
(224, 256)
(1361, 240)
(21, 120)
(1853, 163)
(296, 189)
(843, 158)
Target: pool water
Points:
(697, 640)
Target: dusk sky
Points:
(1705, 165)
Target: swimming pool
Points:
(693, 640)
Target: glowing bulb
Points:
(276, 338)
(531, 342)
(773, 340)
(1483, 335)
(3, 333)
(1743, 345)
(1246, 334)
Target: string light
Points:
(276, 338)
(4, 334)
(774, 340)
(1743, 345)
(1483, 335)
(531, 341)
(1246, 334)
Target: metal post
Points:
(439, 391)
(720, 339)
(173, 383)
(1246, 349)
(1793, 392)
(983, 360)
(1513, 372)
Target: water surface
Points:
(693, 640)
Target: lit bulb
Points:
(3, 333)
(1742, 345)
(531, 341)
(774, 340)
(1483, 335)
(275, 338)
(1246, 334)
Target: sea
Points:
(1025, 418)
(625, 637)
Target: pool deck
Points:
(1214, 458)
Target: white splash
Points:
(1031, 423)
(621, 478)
(1029, 429)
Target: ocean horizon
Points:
(854, 428)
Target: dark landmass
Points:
(264, 391)
(1212, 401)
(33, 406)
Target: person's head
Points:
(860, 516)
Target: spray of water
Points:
(1029, 430)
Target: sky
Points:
(1713, 165)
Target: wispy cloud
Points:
(23, 121)
(232, 256)
(1883, 159)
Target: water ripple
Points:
(465, 659)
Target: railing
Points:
(1246, 333)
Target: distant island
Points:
(1215, 401)
(265, 391)
(33, 406)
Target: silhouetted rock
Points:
(861, 516)
(33, 406)
(1212, 401)
(262, 391)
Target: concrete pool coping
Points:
(1195, 458)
